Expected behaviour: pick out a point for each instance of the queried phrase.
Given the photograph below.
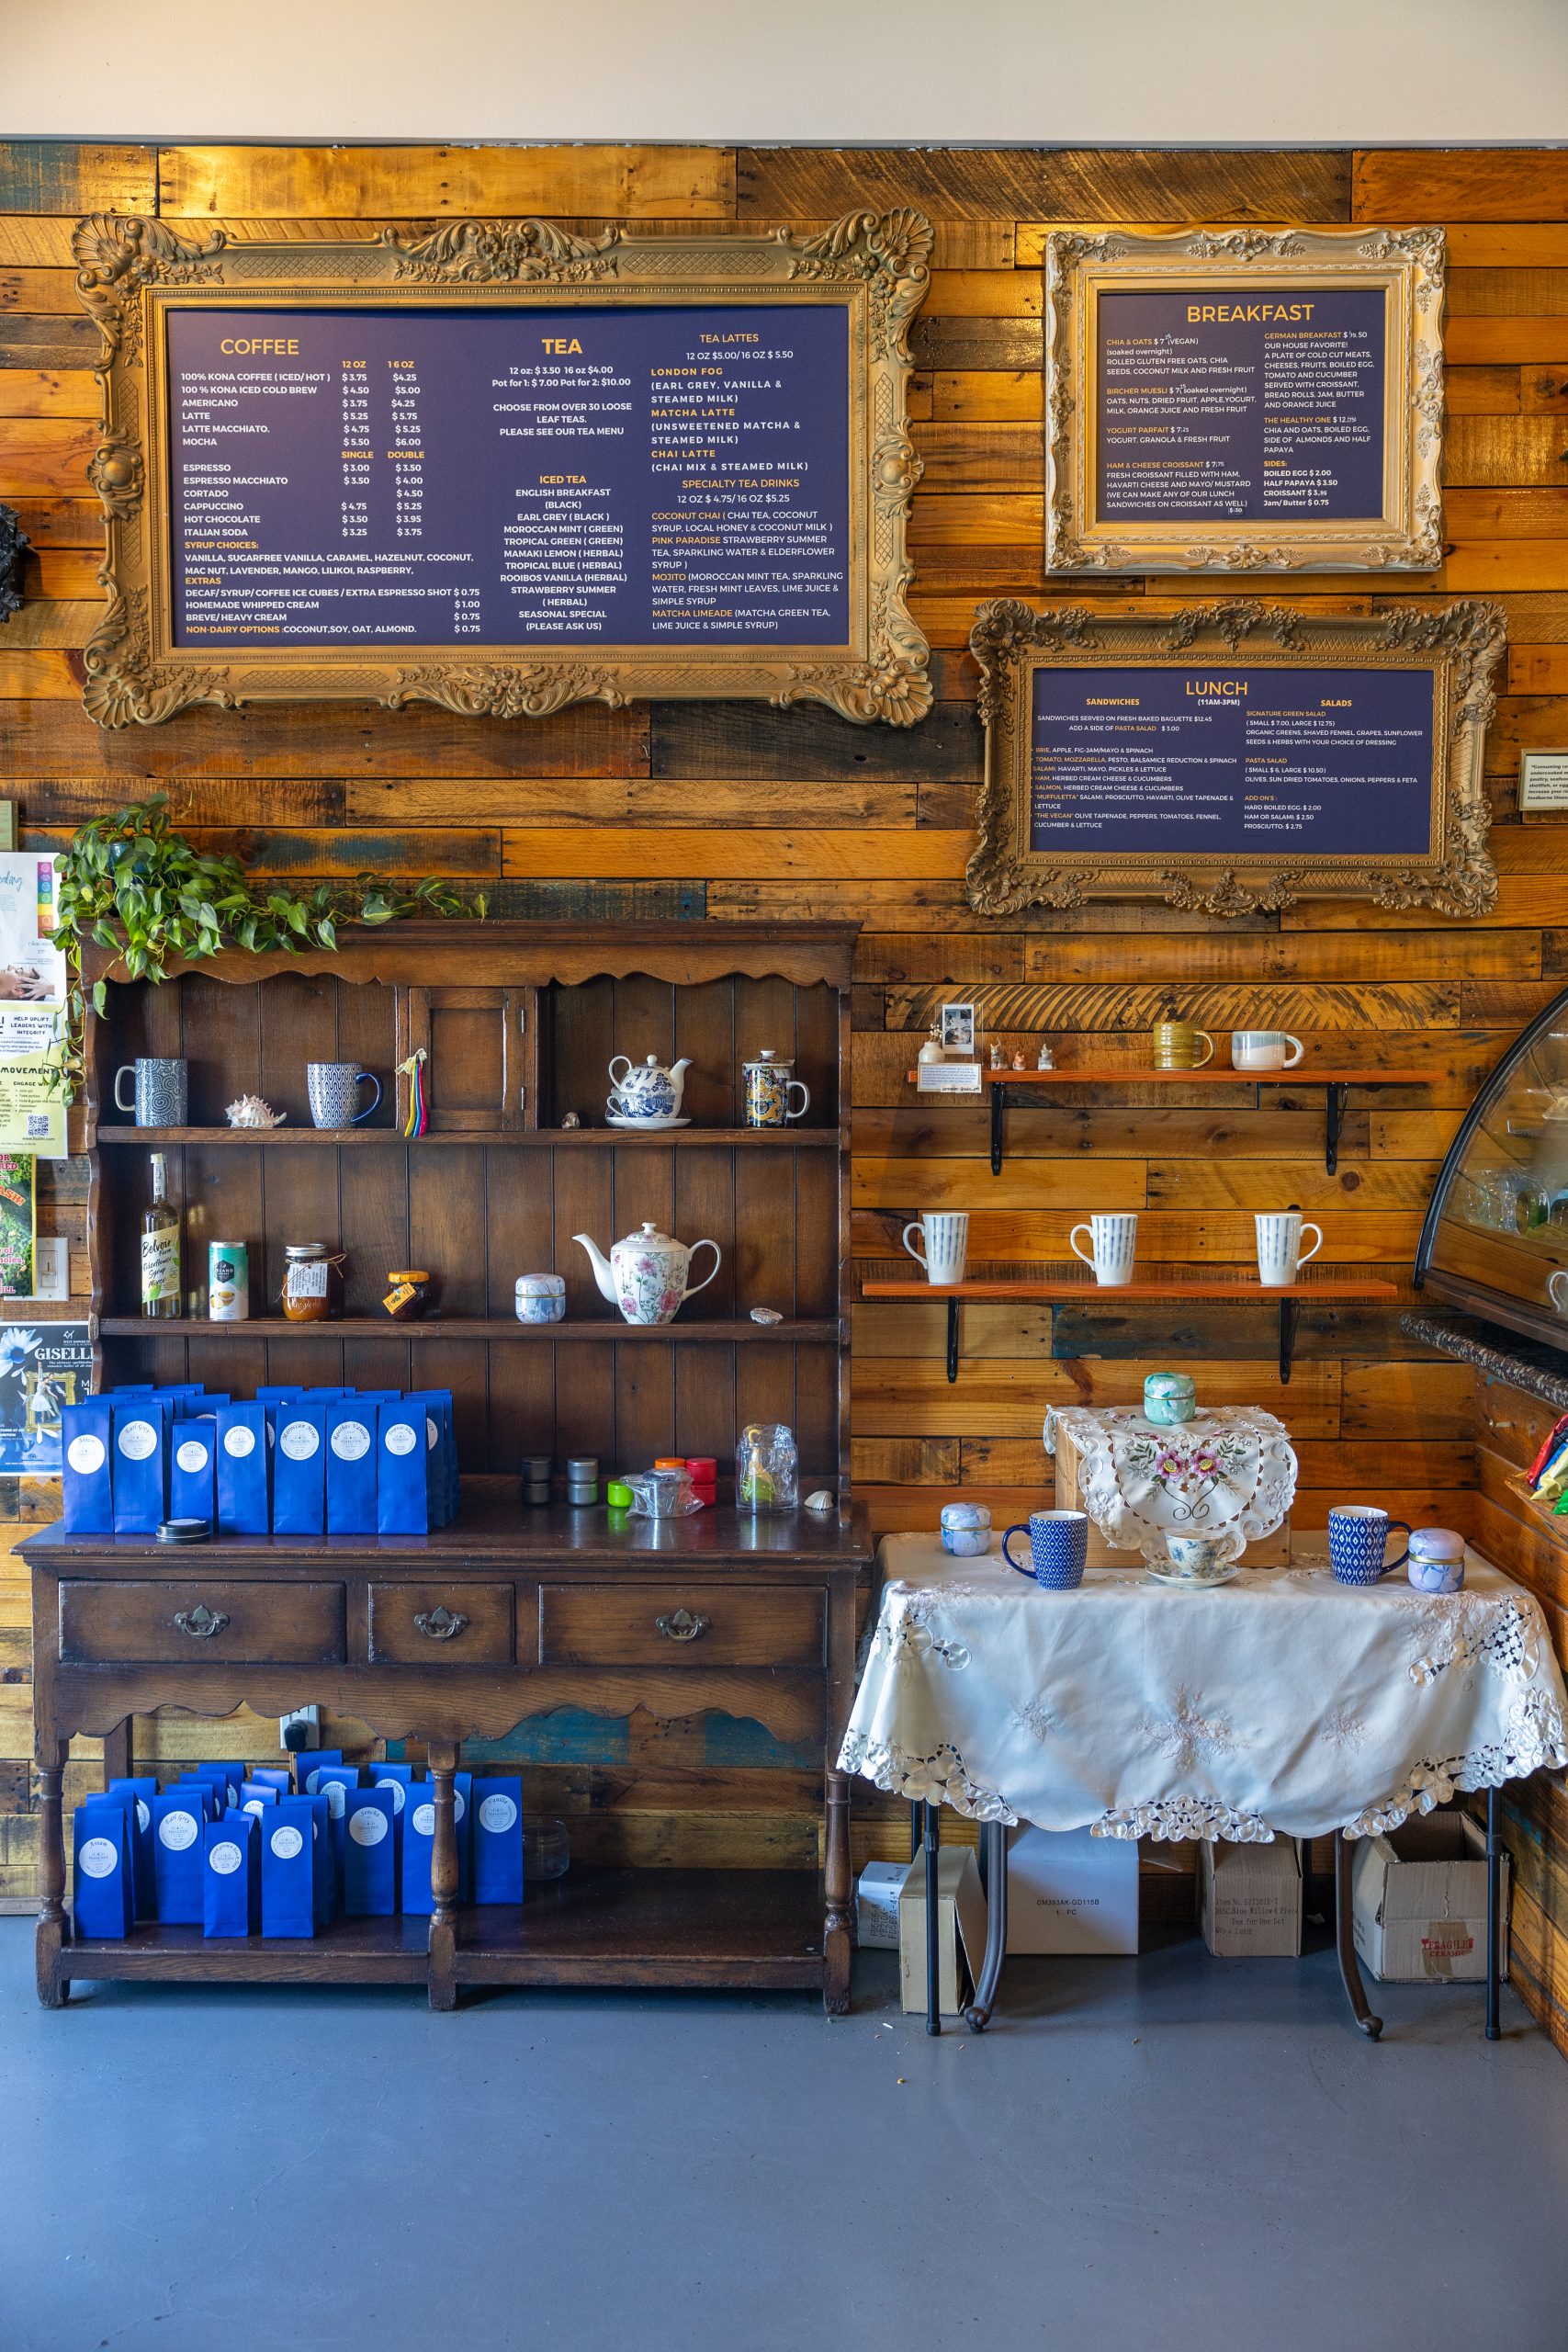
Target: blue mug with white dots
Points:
(1357, 1538)
(1059, 1549)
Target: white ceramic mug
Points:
(1559, 1297)
(1265, 1049)
(1113, 1242)
(1279, 1253)
(946, 1237)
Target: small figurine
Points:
(1045, 1059)
(1017, 1061)
(250, 1111)
(998, 1059)
(570, 1120)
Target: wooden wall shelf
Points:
(488, 1328)
(290, 1138)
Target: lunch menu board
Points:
(631, 475)
(1240, 405)
(1232, 761)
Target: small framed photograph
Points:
(958, 1031)
(1543, 780)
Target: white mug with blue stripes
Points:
(1113, 1241)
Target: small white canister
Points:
(541, 1298)
(965, 1530)
(1437, 1560)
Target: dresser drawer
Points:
(675, 1625)
(441, 1625)
(201, 1622)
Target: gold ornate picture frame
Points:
(1252, 275)
(133, 273)
(1078, 816)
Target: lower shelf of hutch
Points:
(726, 1930)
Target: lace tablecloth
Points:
(1280, 1704)
(1231, 1466)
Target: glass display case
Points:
(1496, 1237)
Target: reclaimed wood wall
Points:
(734, 810)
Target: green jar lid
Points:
(618, 1495)
(1169, 1384)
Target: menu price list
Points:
(1217, 405)
(1213, 762)
(644, 476)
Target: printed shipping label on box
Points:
(1070, 1890)
(1419, 1893)
(1249, 1900)
(876, 1906)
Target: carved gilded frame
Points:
(1463, 646)
(1407, 264)
(132, 272)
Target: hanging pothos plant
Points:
(133, 883)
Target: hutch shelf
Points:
(519, 1022)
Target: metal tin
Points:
(185, 1531)
(581, 1468)
(227, 1282)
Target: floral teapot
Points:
(647, 1090)
(645, 1275)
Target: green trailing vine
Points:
(134, 884)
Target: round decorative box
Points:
(541, 1298)
(965, 1530)
(1168, 1397)
(1437, 1560)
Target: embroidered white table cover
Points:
(1282, 1704)
(1230, 1466)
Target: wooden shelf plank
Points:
(460, 1327)
(1237, 1286)
(1122, 1074)
(557, 1138)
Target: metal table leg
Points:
(1344, 1938)
(934, 1940)
(915, 1831)
(994, 1837)
(1493, 1925)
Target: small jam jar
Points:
(311, 1288)
(408, 1296)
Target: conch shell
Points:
(250, 1111)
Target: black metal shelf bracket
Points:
(1334, 1111)
(953, 1306)
(998, 1107)
(1290, 1318)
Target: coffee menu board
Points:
(1243, 401)
(1234, 758)
(505, 468)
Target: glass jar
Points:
(313, 1288)
(409, 1295)
(765, 1464)
(547, 1846)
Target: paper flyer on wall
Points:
(32, 1009)
(42, 1367)
(18, 1224)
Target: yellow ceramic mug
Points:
(1177, 1046)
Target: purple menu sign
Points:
(623, 475)
(1217, 405)
(1215, 762)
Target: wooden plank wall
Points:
(735, 810)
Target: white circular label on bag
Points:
(301, 1440)
(178, 1830)
(312, 1781)
(287, 1843)
(226, 1858)
(85, 1454)
(143, 1813)
(98, 1857)
(239, 1442)
(351, 1441)
(398, 1793)
(191, 1456)
(424, 1820)
(430, 1434)
(496, 1813)
(138, 1439)
(400, 1439)
(369, 1825)
(337, 1799)
(254, 1804)
(459, 1805)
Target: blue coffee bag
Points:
(103, 1898)
(351, 1467)
(289, 1867)
(139, 1793)
(86, 1479)
(403, 1498)
(193, 1445)
(243, 1468)
(141, 1468)
(369, 1874)
(498, 1840)
(179, 1816)
(300, 1469)
(230, 1890)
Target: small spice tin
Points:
(540, 1298)
(582, 1478)
(702, 1471)
(536, 1472)
(1169, 1398)
(1437, 1560)
(965, 1530)
(227, 1282)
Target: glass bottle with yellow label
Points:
(160, 1246)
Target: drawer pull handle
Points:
(201, 1623)
(441, 1625)
(684, 1626)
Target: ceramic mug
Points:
(946, 1237)
(1279, 1253)
(1177, 1043)
(161, 1087)
(769, 1086)
(1559, 1297)
(1059, 1549)
(1358, 1536)
(333, 1089)
(1113, 1242)
(1202, 1559)
(1265, 1049)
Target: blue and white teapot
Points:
(647, 1093)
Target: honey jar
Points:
(312, 1287)
(409, 1295)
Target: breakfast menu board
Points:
(652, 475)
(1240, 403)
(1208, 761)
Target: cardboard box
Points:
(1071, 1892)
(876, 1906)
(1249, 1900)
(1420, 1902)
(961, 1917)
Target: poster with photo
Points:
(32, 1009)
(18, 1224)
(43, 1366)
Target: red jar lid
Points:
(702, 1467)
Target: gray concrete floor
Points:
(1170, 2150)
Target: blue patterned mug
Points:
(1059, 1549)
(333, 1089)
(160, 1084)
(1358, 1535)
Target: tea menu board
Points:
(648, 475)
(1253, 404)
(1176, 761)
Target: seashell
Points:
(821, 1500)
(766, 1315)
(570, 1120)
(250, 1111)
